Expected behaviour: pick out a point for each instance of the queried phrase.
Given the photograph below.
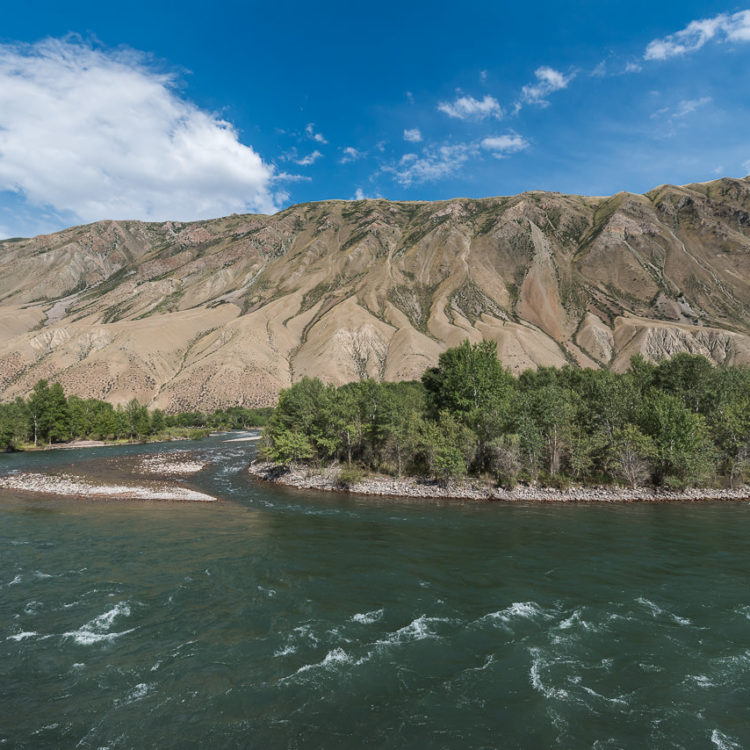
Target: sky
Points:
(185, 110)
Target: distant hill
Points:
(229, 311)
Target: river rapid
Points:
(291, 619)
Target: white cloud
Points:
(502, 145)
(306, 161)
(548, 80)
(633, 67)
(103, 135)
(350, 154)
(310, 133)
(746, 166)
(688, 106)
(413, 135)
(723, 28)
(681, 109)
(433, 164)
(600, 70)
(469, 108)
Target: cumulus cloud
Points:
(548, 80)
(310, 133)
(502, 145)
(469, 108)
(413, 135)
(99, 134)
(349, 154)
(360, 195)
(722, 28)
(306, 161)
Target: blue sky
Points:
(173, 110)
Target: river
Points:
(287, 619)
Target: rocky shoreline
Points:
(326, 480)
(85, 488)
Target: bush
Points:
(348, 477)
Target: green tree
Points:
(633, 453)
(290, 447)
(158, 423)
(683, 451)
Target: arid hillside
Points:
(229, 311)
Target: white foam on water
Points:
(576, 619)
(46, 728)
(39, 574)
(367, 618)
(657, 611)
(744, 610)
(97, 630)
(332, 659)
(516, 611)
(305, 631)
(22, 636)
(288, 649)
(723, 741)
(538, 663)
(651, 667)
(15, 581)
(416, 630)
(267, 592)
(141, 690)
(701, 680)
(613, 701)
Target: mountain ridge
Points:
(210, 313)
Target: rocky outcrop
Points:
(214, 313)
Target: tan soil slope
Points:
(229, 311)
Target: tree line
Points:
(682, 422)
(49, 416)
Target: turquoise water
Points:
(281, 619)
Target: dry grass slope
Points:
(229, 311)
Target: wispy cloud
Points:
(746, 166)
(688, 106)
(306, 161)
(548, 80)
(313, 135)
(104, 135)
(439, 162)
(350, 154)
(469, 108)
(501, 146)
(413, 135)
(681, 109)
(722, 28)
(433, 164)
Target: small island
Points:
(677, 430)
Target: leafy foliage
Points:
(680, 423)
(47, 416)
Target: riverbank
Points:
(326, 480)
